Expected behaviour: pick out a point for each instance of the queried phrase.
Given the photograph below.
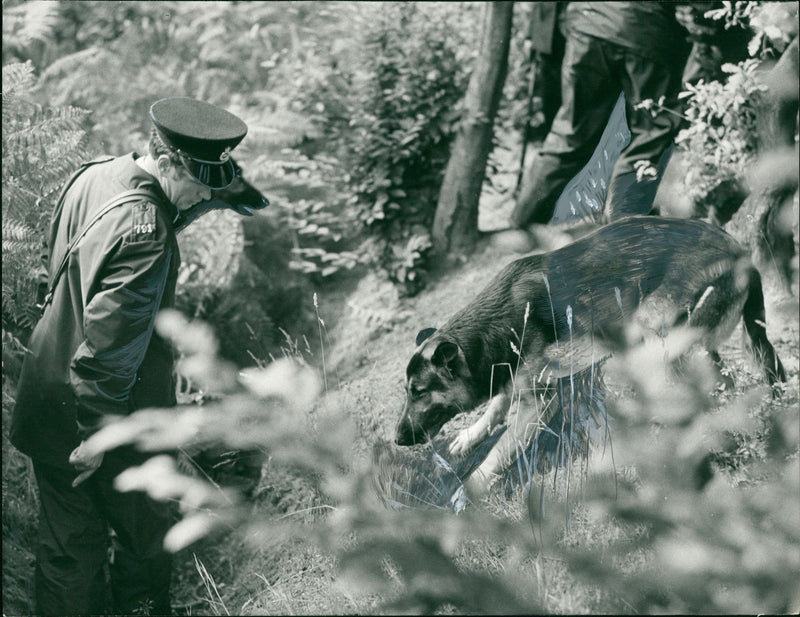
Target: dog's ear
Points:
(445, 353)
(425, 334)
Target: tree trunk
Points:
(455, 226)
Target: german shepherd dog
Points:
(644, 274)
(241, 197)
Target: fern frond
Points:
(16, 77)
(34, 21)
(15, 231)
(14, 193)
(30, 153)
(62, 160)
(41, 146)
(76, 63)
(35, 117)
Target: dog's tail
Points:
(754, 317)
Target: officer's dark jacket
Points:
(94, 354)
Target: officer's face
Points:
(181, 188)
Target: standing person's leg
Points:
(651, 135)
(72, 549)
(588, 94)
(550, 75)
(141, 569)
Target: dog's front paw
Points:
(463, 443)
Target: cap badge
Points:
(226, 154)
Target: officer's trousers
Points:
(593, 74)
(74, 542)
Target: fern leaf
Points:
(16, 76)
(76, 63)
(14, 231)
(41, 145)
(36, 21)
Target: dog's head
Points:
(438, 387)
(241, 197)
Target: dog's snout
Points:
(404, 433)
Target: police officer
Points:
(94, 355)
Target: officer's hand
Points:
(84, 462)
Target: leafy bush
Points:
(253, 295)
(384, 155)
(40, 147)
(721, 140)
(718, 540)
(221, 52)
(390, 119)
(775, 25)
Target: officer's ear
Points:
(166, 167)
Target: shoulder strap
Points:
(56, 215)
(115, 201)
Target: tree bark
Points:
(455, 225)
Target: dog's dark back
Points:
(600, 280)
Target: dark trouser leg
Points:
(651, 137)
(588, 92)
(140, 573)
(550, 76)
(72, 549)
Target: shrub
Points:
(41, 145)
(655, 526)
(721, 140)
(250, 297)
(390, 120)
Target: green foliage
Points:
(40, 148)
(20, 507)
(236, 275)
(350, 147)
(774, 24)
(383, 105)
(149, 50)
(390, 120)
(225, 53)
(720, 143)
(717, 542)
(721, 140)
(28, 30)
